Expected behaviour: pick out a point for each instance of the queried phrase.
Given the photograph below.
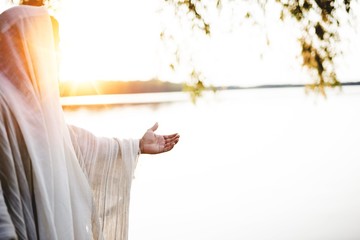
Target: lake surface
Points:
(254, 164)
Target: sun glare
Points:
(120, 40)
(98, 42)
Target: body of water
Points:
(260, 164)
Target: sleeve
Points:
(109, 164)
(7, 229)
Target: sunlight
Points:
(108, 43)
(120, 40)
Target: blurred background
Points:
(265, 95)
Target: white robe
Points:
(57, 181)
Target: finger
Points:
(172, 139)
(153, 128)
(175, 138)
(168, 147)
(172, 143)
(171, 136)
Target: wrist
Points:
(141, 146)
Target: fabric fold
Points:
(57, 181)
(109, 164)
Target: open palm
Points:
(152, 143)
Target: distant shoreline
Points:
(97, 101)
(286, 86)
(68, 88)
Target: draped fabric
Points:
(57, 181)
(110, 170)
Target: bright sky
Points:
(120, 40)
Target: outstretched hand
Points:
(152, 143)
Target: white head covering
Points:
(57, 181)
(36, 149)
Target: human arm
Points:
(152, 143)
(109, 164)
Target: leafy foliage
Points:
(318, 20)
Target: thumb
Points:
(153, 128)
